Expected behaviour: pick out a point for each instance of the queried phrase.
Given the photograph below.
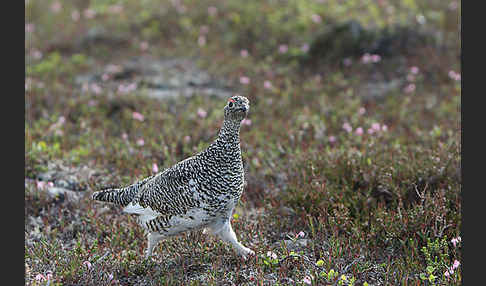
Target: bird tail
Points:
(119, 196)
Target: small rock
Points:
(351, 39)
(66, 177)
(377, 91)
(286, 211)
(62, 183)
(162, 78)
(103, 210)
(57, 192)
(98, 36)
(47, 176)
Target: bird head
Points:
(236, 108)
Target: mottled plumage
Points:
(198, 192)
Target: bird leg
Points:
(226, 233)
(153, 239)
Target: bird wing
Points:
(168, 193)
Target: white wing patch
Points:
(145, 214)
(193, 219)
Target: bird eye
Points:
(230, 104)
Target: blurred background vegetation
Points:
(351, 148)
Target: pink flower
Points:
(455, 76)
(384, 128)
(375, 126)
(316, 18)
(187, 139)
(371, 131)
(267, 84)
(301, 234)
(347, 62)
(36, 54)
(272, 255)
(414, 70)
(452, 74)
(347, 127)
(332, 139)
(61, 120)
(366, 58)
(144, 46)
(40, 185)
(201, 113)
(155, 168)
(89, 13)
(244, 80)
(88, 264)
(201, 41)
(361, 110)
(56, 7)
(246, 122)
(140, 142)
(212, 11)
(40, 277)
(283, 49)
(95, 88)
(410, 88)
(305, 48)
(124, 89)
(29, 28)
(446, 274)
(105, 77)
(456, 264)
(124, 136)
(204, 29)
(454, 242)
(359, 131)
(244, 53)
(137, 116)
(307, 280)
(75, 15)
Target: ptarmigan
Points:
(198, 192)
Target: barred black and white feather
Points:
(120, 196)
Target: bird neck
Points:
(229, 133)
